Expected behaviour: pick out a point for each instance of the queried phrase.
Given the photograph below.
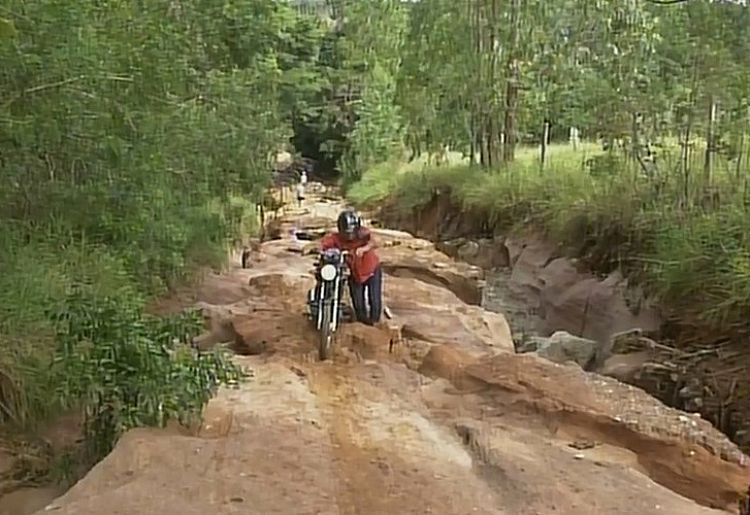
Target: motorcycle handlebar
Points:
(343, 252)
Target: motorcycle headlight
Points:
(328, 272)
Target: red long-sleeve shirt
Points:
(362, 267)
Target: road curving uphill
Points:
(434, 415)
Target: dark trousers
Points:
(374, 287)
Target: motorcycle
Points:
(324, 300)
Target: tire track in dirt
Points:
(360, 489)
(382, 460)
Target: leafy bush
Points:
(127, 164)
(127, 370)
(35, 279)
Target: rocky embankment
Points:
(434, 413)
(604, 323)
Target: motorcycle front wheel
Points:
(325, 335)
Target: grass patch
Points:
(691, 250)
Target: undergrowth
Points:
(128, 164)
(691, 252)
(73, 332)
(129, 370)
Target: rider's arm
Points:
(366, 236)
(329, 241)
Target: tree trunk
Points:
(635, 145)
(545, 142)
(740, 155)
(262, 222)
(472, 140)
(479, 91)
(710, 144)
(686, 162)
(511, 90)
(686, 141)
(490, 135)
(492, 46)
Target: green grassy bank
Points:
(688, 245)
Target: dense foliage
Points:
(128, 370)
(135, 138)
(663, 88)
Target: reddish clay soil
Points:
(432, 412)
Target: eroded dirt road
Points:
(451, 422)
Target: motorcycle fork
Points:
(334, 302)
(321, 303)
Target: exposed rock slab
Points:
(670, 446)
(480, 430)
(269, 461)
(433, 314)
(423, 262)
(574, 301)
(563, 347)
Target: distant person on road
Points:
(300, 193)
(364, 265)
(303, 178)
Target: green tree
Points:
(370, 47)
(134, 140)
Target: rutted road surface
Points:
(450, 422)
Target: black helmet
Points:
(348, 222)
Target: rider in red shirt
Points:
(363, 262)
